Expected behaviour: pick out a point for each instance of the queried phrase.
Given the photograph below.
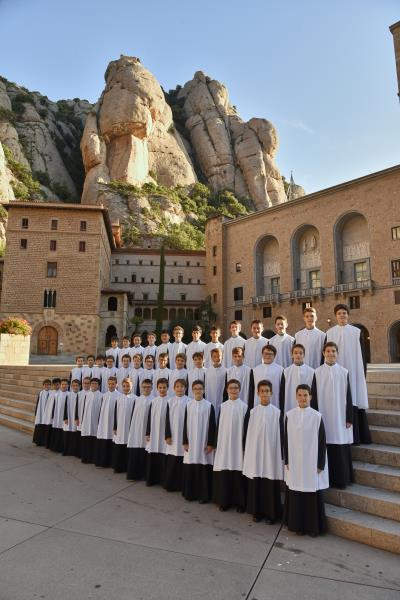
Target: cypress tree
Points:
(160, 295)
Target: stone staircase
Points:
(367, 511)
(19, 387)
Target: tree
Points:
(160, 295)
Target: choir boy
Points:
(77, 370)
(40, 427)
(104, 443)
(155, 435)
(125, 349)
(136, 347)
(136, 373)
(162, 371)
(180, 372)
(177, 346)
(122, 419)
(242, 373)
(80, 407)
(89, 423)
(297, 373)
(283, 342)
(270, 371)
(164, 347)
(108, 371)
(198, 371)
(312, 338)
(235, 341)
(175, 417)
(254, 345)
(71, 438)
(114, 351)
(124, 371)
(49, 411)
(57, 433)
(215, 380)
(196, 345)
(215, 333)
(87, 370)
(98, 369)
(136, 445)
(151, 348)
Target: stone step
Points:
(384, 389)
(385, 435)
(27, 406)
(387, 418)
(366, 529)
(384, 403)
(374, 501)
(377, 454)
(13, 423)
(19, 393)
(379, 476)
(383, 374)
(19, 388)
(17, 414)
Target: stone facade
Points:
(341, 244)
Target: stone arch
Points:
(267, 265)
(38, 327)
(394, 342)
(306, 257)
(112, 303)
(110, 333)
(47, 340)
(352, 248)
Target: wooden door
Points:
(47, 340)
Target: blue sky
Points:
(322, 72)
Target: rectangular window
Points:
(397, 297)
(49, 298)
(116, 262)
(188, 263)
(116, 279)
(237, 293)
(198, 264)
(128, 262)
(189, 280)
(360, 271)
(53, 245)
(214, 250)
(51, 269)
(145, 296)
(238, 267)
(23, 244)
(214, 270)
(395, 268)
(140, 262)
(275, 285)
(83, 226)
(180, 278)
(151, 280)
(125, 279)
(354, 302)
(133, 277)
(396, 233)
(183, 297)
(175, 263)
(82, 246)
(238, 315)
(215, 298)
(25, 223)
(54, 224)
(307, 305)
(315, 279)
(142, 279)
(172, 280)
(198, 281)
(151, 262)
(267, 312)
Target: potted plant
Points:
(15, 338)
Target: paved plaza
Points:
(69, 530)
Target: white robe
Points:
(331, 383)
(215, 381)
(136, 350)
(122, 352)
(59, 405)
(106, 419)
(273, 373)
(263, 451)
(135, 377)
(175, 348)
(91, 413)
(253, 351)
(157, 425)
(313, 341)
(347, 338)
(114, 352)
(71, 403)
(243, 375)
(229, 451)
(146, 374)
(163, 349)
(87, 372)
(207, 352)
(76, 373)
(294, 376)
(191, 349)
(124, 407)
(195, 374)
(138, 424)
(48, 410)
(104, 377)
(302, 442)
(233, 342)
(174, 375)
(150, 351)
(123, 373)
(197, 426)
(81, 405)
(97, 373)
(283, 344)
(176, 414)
(44, 395)
(160, 374)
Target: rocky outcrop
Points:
(6, 177)
(233, 154)
(129, 135)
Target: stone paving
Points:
(69, 530)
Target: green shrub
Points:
(15, 326)
(26, 187)
(6, 116)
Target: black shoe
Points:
(256, 519)
(240, 509)
(299, 532)
(223, 508)
(313, 534)
(270, 521)
(202, 501)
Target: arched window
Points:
(267, 266)
(394, 342)
(138, 312)
(352, 250)
(147, 313)
(110, 333)
(189, 314)
(306, 258)
(172, 314)
(112, 303)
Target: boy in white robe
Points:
(215, 333)
(177, 346)
(77, 371)
(350, 356)
(263, 458)
(270, 371)
(148, 369)
(180, 372)
(297, 373)
(71, 438)
(136, 347)
(175, 417)
(254, 345)
(49, 411)
(163, 348)
(124, 371)
(155, 435)
(122, 419)
(162, 371)
(196, 345)
(331, 396)
(108, 371)
(235, 341)
(125, 349)
(151, 348)
(57, 431)
(136, 445)
(80, 406)
(104, 442)
(306, 470)
(87, 370)
(312, 338)
(199, 430)
(242, 373)
(114, 351)
(283, 342)
(228, 481)
(198, 372)
(98, 369)
(136, 373)
(215, 381)
(40, 427)
(89, 423)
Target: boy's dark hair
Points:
(95, 379)
(197, 355)
(163, 354)
(112, 378)
(79, 356)
(181, 355)
(238, 350)
(126, 356)
(67, 380)
(73, 381)
(126, 337)
(234, 323)
(198, 382)
(90, 356)
(181, 381)
(165, 331)
(330, 345)
(149, 357)
(264, 382)
(109, 357)
(114, 338)
(151, 333)
(162, 380)
(197, 328)
(309, 309)
(100, 357)
(215, 328)
(147, 381)
(303, 386)
(235, 381)
(46, 381)
(255, 322)
(216, 351)
(341, 307)
(136, 335)
(298, 346)
(87, 378)
(178, 328)
(280, 318)
(270, 347)
(56, 380)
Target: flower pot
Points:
(14, 349)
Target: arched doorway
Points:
(365, 342)
(47, 340)
(110, 333)
(394, 342)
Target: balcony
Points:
(307, 293)
(342, 288)
(395, 281)
(267, 299)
